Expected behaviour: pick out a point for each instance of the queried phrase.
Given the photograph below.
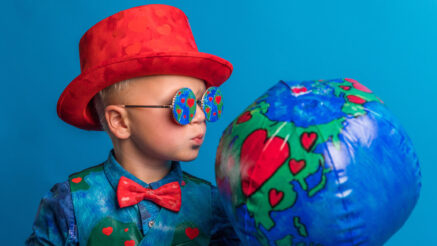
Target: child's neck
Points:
(142, 166)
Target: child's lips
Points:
(198, 139)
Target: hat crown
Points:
(141, 41)
(139, 31)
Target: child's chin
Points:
(190, 157)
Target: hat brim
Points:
(74, 103)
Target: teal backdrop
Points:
(389, 46)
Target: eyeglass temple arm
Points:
(153, 106)
(147, 106)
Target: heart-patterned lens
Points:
(184, 106)
(212, 104)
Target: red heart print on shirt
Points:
(191, 232)
(76, 180)
(107, 230)
(260, 157)
(129, 243)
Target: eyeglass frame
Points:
(198, 102)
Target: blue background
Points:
(389, 46)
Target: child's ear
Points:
(117, 120)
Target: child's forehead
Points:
(168, 83)
(160, 86)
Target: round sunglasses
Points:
(184, 105)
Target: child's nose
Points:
(200, 115)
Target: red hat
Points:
(144, 40)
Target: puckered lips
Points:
(198, 140)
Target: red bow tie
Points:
(130, 193)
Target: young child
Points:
(143, 82)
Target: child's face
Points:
(153, 131)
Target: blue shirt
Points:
(55, 222)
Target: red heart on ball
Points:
(356, 99)
(275, 197)
(358, 86)
(296, 166)
(308, 139)
(260, 157)
(298, 90)
(244, 117)
(346, 88)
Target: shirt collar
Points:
(113, 171)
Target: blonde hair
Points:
(101, 100)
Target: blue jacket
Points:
(84, 211)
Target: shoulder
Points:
(200, 187)
(86, 171)
(191, 178)
(55, 221)
(59, 197)
(206, 187)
